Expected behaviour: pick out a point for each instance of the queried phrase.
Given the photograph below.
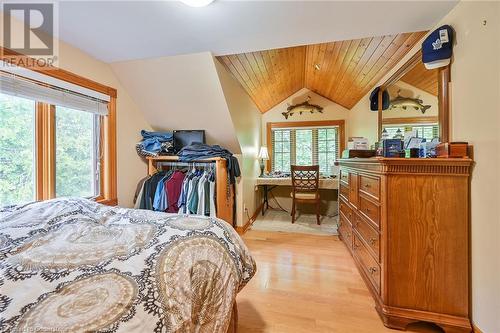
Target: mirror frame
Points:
(444, 78)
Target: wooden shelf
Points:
(225, 194)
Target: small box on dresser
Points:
(406, 224)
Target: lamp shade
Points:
(263, 154)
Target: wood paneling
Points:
(423, 78)
(270, 76)
(348, 70)
(342, 71)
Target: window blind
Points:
(39, 91)
(304, 146)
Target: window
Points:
(77, 153)
(17, 150)
(427, 131)
(57, 137)
(305, 143)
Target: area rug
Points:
(280, 221)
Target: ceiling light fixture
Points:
(197, 3)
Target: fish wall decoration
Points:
(301, 108)
(407, 102)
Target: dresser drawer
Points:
(344, 191)
(353, 189)
(370, 186)
(369, 265)
(370, 210)
(344, 176)
(346, 210)
(345, 232)
(369, 235)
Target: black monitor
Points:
(183, 138)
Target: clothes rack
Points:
(224, 193)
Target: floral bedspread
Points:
(72, 265)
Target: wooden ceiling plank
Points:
(336, 68)
(363, 55)
(391, 62)
(318, 74)
(330, 67)
(232, 69)
(264, 74)
(348, 69)
(314, 60)
(355, 44)
(379, 51)
(260, 77)
(322, 84)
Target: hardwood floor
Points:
(306, 283)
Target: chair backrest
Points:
(305, 178)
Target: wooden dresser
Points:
(406, 223)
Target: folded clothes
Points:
(154, 143)
(199, 151)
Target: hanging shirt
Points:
(173, 189)
(181, 203)
(139, 190)
(206, 192)
(192, 202)
(200, 209)
(137, 201)
(213, 212)
(160, 201)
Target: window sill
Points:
(107, 202)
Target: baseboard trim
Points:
(476, 329)
(242, 229)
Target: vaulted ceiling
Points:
(342, 71)
(423, 78)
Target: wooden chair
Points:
(305, 183)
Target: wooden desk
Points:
(268, 183)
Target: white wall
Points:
(246, 119)
(475, 109)
(130, 168)
(180, 92)
(475, 100)
(331, 111)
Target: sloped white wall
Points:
(180, 92)
(130, 120)
(246, 118)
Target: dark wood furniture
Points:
(406, 223)
(305, 184)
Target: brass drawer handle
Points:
(372, 270)
(367, 210)
(367, 185)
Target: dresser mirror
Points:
(419, 102)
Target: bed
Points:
(72, 265)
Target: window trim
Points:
(287, 124)
(45, 132)
(410, 120)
